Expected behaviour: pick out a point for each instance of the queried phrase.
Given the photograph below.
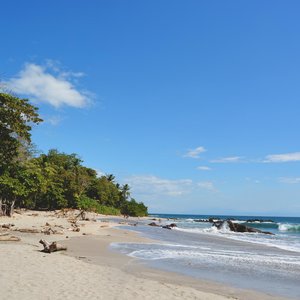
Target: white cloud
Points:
(208, 185)
(99, 173)
(195, 153)
(55, 88)
(53, 120)
(289, 180)
(280, 158)
(204, 168)
(148, 184)
(230, 159)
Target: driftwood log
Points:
(9, 239)
(54, 246)
(27, 230)
(6, 226)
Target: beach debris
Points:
(33, 214)
(53, 247)
(27, 230)
(4, 234)
(9, 238)
(6, 226)
(82, 215)
(49, 230)
(74, 225)
(236, 227)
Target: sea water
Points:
(267, 263)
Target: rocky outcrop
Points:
(170, 226)
(238, 227)
(153, 224)
(259, 221)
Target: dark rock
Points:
(153, 224)
(259, 221)
(211, 219)
(170, 226)
(238, 227)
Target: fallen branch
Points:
(9, 239)
(54, 246)
(4, 234)
(50, 230)
(28, 230)
(6, 226)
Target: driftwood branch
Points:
(54, 246)
(27, 230)
(9, 239)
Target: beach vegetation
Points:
(133, 208)
(54, 180)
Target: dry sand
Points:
(88, 269)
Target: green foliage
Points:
(108, 210)
(89, 204)
(16, 115)
(134, 209)
(55, 180)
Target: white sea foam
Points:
(289, 227)
(277, 241)
(200, 255)
(189, 220)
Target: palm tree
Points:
(110, 177)
(125, 191)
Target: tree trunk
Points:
(1, 208)
(10, 210)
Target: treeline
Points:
(54, 180)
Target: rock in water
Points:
(153, 224)
(238, 227)
(170, 226)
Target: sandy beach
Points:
(89, 269)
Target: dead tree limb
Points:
(9, 239)
(54, 246)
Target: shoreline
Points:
(91, 269)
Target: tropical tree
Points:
(16, 118)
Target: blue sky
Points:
(194, 103)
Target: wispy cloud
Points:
(195, 153)
(208, 185)
(281, 158)
(230, 159)
(99, 173)
(53, 120)
(289, 180)
(148, 184)
(48, 84)
(204, 168)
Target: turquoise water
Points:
(268, 263)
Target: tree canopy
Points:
(16, 117)
(54, 180)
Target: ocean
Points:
(263, 262)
